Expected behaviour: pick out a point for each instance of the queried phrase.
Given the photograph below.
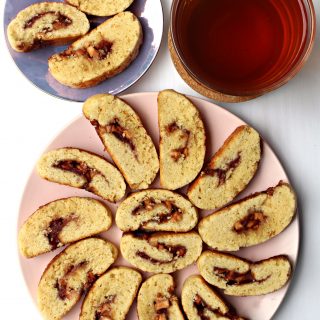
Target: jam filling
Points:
(161, 305)
(54, 229)
(183, 151)
(201, 307)
(235, 278)
(251, 222)
(117, 130)
(173, 214)
(67, 292)
(60, 22)
(104, 310)
(223, 173)
(78, 167)
(177, 252)
(98, 51)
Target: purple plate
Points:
(34, 65)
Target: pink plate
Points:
(219, 124)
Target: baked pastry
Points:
(104, 52)
(81, 169)
(156, 210)
(46, 23)
(161, 252)
(124, 137)
(229, 171)
(157, 301)
(101, 7)
(61, 222)
(182, 140)
(200, 302)
(71, 273)
(250, 221)
(111, 295)
(240, 277)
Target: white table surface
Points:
(289, 119)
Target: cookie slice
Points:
(101, 8)
(229, 171)
(156, 210)
(157, 301)
(250, 221)
(81, 169)
(201, 302)
(161, 252)
(111, 295)
(240, 277)
(103, 53)
(46, 23)
(61, 222)
(71, 273)
(124, 137)
(182, 140)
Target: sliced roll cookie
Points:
(156, 210)
(111, 295)
(81, 169)
(71, 273)
(240, 277)
(182, 140)
(46, 23)
(101, 7)
(200, 302)
(161, 252)
(157, 301)
(61, 222)
(229, 171)
(250, 221)
(103, 53)
(124, 137)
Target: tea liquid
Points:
(240, 46)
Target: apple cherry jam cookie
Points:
(250, 221)
(61, 222)
(103, 53)
(240, 277)
(199, 301)
(124, 137)
(229, 171)
(46, 23)
(156, 210)
(182, 140)
(112, 295)
(81, 169)
(101, 7)
(161, 252)
(157, 301)
(71, 273)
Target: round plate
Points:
(219, 125)
(34, 64)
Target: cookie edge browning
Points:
(243, 200)
(54, 42)
(93, 82)
(109, 270)
(108, 212)
(115, 254)
(112, 153)
(220, 151)
(216, 294)
(155, 231)
(160, 139)
(92, 154)
(281, 257)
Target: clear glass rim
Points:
(310, 39)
